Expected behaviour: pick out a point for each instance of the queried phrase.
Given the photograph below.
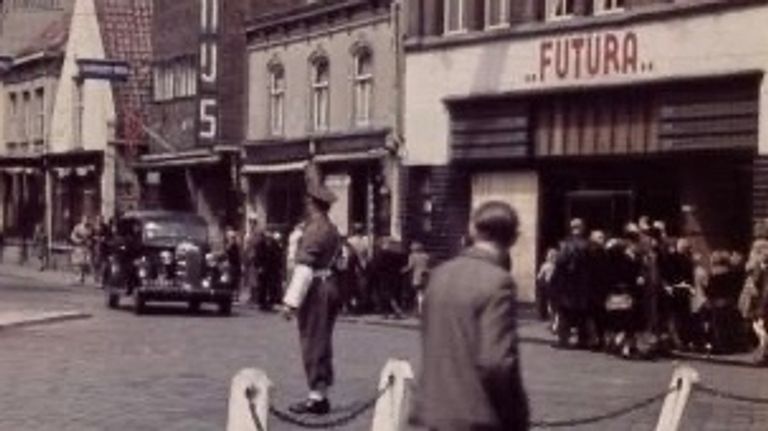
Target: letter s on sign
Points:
(208, 122)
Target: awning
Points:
(268, 168)
(273, 168)
(177, 160)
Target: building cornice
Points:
(655, 13)
(327, 13)
(349, 26)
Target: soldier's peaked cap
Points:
(321, 193)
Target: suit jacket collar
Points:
(492, 257)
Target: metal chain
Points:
(355, 410)
(250, 395)
(729, 395)
(604, 416)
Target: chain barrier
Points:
(709, 390)
(348, 413)
(613, 414)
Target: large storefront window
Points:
(22, 204)
(285, 200)
(76, 193)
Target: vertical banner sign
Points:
(208, 119)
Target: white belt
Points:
(322, 274)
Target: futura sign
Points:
(589, 56)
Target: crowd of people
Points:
(377, 276)
(645, 293)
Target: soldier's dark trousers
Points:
(316, 319)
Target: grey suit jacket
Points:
(470, 375)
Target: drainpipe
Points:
(394, 157)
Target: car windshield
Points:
(175, 229)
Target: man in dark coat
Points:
(314, 296)
(570, 283)
(470, 376)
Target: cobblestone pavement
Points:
(170, 370)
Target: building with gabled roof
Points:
(72, 100)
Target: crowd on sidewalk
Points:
(645, 293)
(378, 276)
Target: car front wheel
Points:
(113, 299)
(225, 307)
(194, 306)
(139, 304)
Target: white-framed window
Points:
(38, 132)
(453, 21)
(608, 6)
(25, 117)
(174, 79)
(78, 111)
(321, 102)
(13, 112)
(191, 71)
(276, 99)
(363, 87)
(559, 9)
(496, 13)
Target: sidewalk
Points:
(16, 314)
(30, 272)
(533, 331)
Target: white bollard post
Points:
(683, 378)
(389, 413)
(249, 382)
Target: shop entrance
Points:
(606, 210)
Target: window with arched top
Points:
(496, 13)
(321, 103)
(276, 99)
(363, 87)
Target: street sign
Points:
(110, 70)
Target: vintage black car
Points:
(166, 256)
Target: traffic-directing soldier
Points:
(313, 295)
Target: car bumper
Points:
(179, 294)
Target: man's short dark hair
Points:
(496, 221)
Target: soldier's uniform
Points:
(317, 314)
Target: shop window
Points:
(496, 13)
(276, 99)
(608, 6)
(560, 9)
(320, 94)
(363, 87)
(453, 21)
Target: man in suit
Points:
(313, 295)
(471, 379)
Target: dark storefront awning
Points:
(289, 155)
(20, 162)
(178, 160)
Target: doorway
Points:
(606, 210)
